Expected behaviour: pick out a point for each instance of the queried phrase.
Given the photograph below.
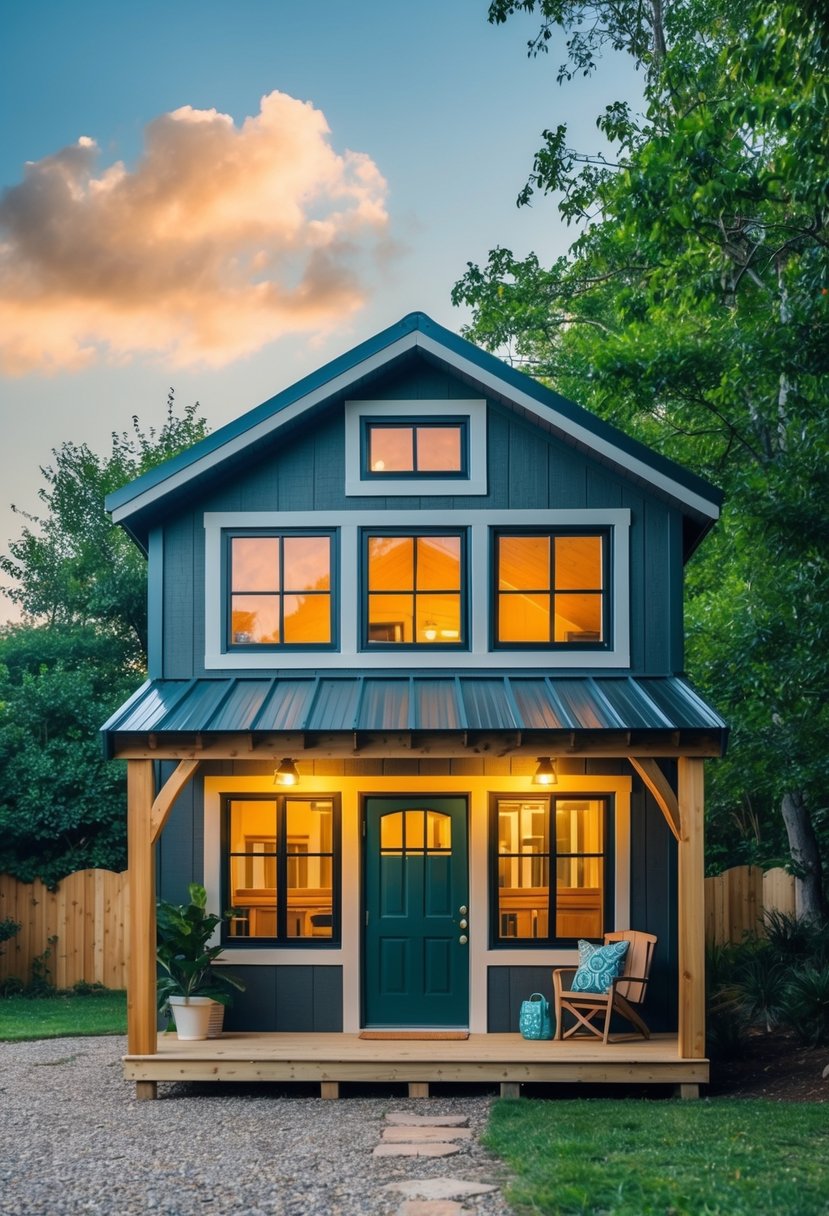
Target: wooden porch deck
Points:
(505, 1059)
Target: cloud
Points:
(221, 239)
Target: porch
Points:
(331, 1059)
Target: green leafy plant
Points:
(184, 955)
(41, 984)
(8, 929)
(806, 1004)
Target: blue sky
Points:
(444, 109)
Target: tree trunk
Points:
(803, 846)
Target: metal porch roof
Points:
(429, 702)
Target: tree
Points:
(78, 654)
(693, 309)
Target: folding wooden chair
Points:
(592, 1011)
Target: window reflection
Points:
(415, 448)
(550, 589)
(280, 590)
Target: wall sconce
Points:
(430, 631)
(545, 774)
(286, 774)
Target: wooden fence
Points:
(736, 900)
(89, 917)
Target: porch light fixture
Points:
(286, 774)
(545, 774)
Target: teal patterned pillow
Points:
(599, 966)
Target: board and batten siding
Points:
(527, 469)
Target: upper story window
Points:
(550, 870)
(416, 447)
(551, 588)
(280, 589)
(415, 589)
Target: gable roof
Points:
(138, 505)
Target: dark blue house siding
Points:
(527, 469)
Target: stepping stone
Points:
(402, 1117)
(440, 1188)
(416, 1150)
(431, 1207)
(423, 1135)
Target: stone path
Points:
(429, 1136)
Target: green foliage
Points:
(66, 1014)
(184, 956)
(726, 1158)
(79, 653)
(8, 929)
(693, 311)
(40, 985)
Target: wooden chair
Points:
(593, 1010)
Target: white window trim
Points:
(421, 485)
(479, 525)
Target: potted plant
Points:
(190, 989)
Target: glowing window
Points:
(551, 589)
(282, 868)
(415, 593)
(550, 866)
(434, 448)
(280, 590)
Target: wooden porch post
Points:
(141, 997)
(691, 797)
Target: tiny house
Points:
(416, 712)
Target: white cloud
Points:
(220, 240)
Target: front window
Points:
(550, 869)
(282, 868)
(551, 589)
(415, 590)
(280, 589)
(426, 448)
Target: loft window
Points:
(280, 590)
(282, 866)
(431, 447)
(415, 590)
(549, 869)
(551, 589)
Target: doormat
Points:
(414, 1034)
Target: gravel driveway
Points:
(73, 1139)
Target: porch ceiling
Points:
(434, 714)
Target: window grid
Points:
(279, 595)
(423, 597)
(419, 464)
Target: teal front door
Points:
(416, 957)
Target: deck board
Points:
(486, 1058)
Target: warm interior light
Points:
(378, 466)
(430, 631)
(286, 774)
(545, 774)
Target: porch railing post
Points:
(691, 798)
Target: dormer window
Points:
(551, 589)
(280, 590)
(415, 448)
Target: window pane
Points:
(578, 563)
(578, 618)
(579, 897)
(307, 618)
(254, 618)
(439, 449)
(522, 909)
(252, 819)
(307, 563)
(254, 563)
(390, 618)
(438, 830)
(390, 449)
(390, 563)
(579, 826)
(523, 563)
(439, 619)
(391, 832)
(438, 563)
(415, 828)
(524, 618)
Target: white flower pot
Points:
(192, 1015)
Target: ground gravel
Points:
(73, 1139)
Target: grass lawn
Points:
(717, 1157)
(52, 1017)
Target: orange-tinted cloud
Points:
(222, 239)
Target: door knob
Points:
(463, 909)
(463, 939)
(464, 924)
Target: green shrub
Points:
(806, 1004)
(8, 929)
